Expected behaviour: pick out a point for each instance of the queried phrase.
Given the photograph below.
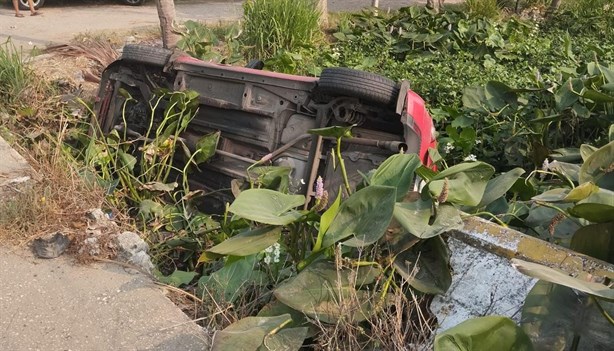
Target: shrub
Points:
(273, 25)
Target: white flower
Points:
(471, 157)
(271, 253)
(449, 147)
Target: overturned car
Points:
(264, 117)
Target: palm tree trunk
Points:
(323, 7)
(166, 13)
(553, 8)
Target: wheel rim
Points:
(132, 2)
(24, 3)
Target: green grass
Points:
(15, 77)
(273, 25)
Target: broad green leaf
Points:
(595, 240)
(227, 283)
(559, 277)
(272, 177)
(576, 194)
(474, 98)
(397, 171)
(581, 192)
(327, 219)
(598, 213)
(364, 217)
(599, 167)
(484, 334)
(611, 133)
(552, 195)
(321, 291)
(149, 209)
(566, 154)
(466, 182)
(248, 333)
(206, 146)
(587, 150)
(602, 196)
(426, 267)
(498, 95)
(267, 206)
(288, 339)
(568, 93)
(597, 96)
(499, 186)
(334, 131)
(415, 217)
(276, 308)
(128, 161)
(569, 170)
(248, 242)
(553, 314)
(177, 278)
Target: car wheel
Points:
(133, 2)
(146, 54)
(23, 4)
(341, 81)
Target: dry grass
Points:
(57, 201)
(98, 54)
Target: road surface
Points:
(61, 20)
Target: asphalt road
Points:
(61, 20)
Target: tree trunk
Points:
(323, 7)
(434, 4)
(166, 13)
(553, 8)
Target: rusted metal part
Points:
(509, 243)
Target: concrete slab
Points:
(483, 284)
(56, 305)
(14, 169)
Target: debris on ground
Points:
(132, 249)
(51, 246)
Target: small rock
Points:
(91, 245)
(51, 246)
(99, 218)
(132, 249)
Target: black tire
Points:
(341, 81)
(146, 54)
(133, 2)
(23, 4)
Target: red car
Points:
(263, 114)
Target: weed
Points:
(15, 77)
(482, 8)
(273, 25)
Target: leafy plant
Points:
(140, 172)
(484, 333)
(220, 44)
(340, 265)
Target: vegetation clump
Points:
(524, 110)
